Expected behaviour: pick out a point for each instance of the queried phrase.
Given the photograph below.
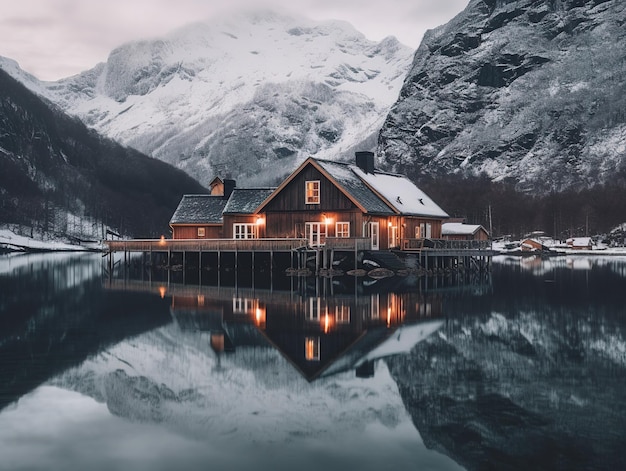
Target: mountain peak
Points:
(242, 91)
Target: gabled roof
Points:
(374, 193)
(354, 187)
(246, 200)
(459, 228)
(199, 209)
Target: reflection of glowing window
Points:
(342, 229)
(314, 311)
(243, 305)
(375, 306)
(342, 314)
(201, 300)
(312, 348)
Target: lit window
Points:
(312, 348)
(201, 232)
(244, 231)
(342, 229)
(312, 192)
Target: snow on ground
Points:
(14, 242)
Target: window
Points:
(312, 190)
(315, 232)
(244, 231)
(201, 232)
(312, 348)
(342, 229)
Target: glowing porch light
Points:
(162, 240)
(260, 220)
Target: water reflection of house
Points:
(317, 335)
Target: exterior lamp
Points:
(162, 240)
(327, 220)
(260, 220)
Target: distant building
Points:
(462, 231)
(580, 243)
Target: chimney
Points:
(365, 161)
(229, 186)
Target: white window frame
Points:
(312, 194)
(244, 230)
(342, 229)
(201, 232)
(315, 232)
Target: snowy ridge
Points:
(173, 377)
(254, 88)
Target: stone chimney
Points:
(365, 161)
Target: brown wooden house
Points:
(323, 199)
(198, 217)
(462, 231)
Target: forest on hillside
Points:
(507, 211)
(60, 178)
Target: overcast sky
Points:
(53, 39)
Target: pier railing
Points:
(444, 244)
(209, 245)
(348, 243)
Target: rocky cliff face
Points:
(527, 90)
(526, 381)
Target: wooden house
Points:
(580, 243)
(198, 217)
(323, 199)
(239, 216)
(462, 231)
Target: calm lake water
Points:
(524, 368)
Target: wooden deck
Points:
(205, 245)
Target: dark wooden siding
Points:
(292, 196)
(191, 232)
(230, 219)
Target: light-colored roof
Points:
(199, 209)
(246, 200)
(458, 228)
(345, 176)
(401, 193)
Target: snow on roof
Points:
(345, 176)
(401, 193)
(246, 200)
(458, 228)
(199, 209)
(404, 339)
(580, 241)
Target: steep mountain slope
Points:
(527, 90)
(56, 173)
(243, 96)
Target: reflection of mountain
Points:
(53, 316)
(535, 381)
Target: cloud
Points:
(56, 38)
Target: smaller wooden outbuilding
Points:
(580, 243)
(462, 231)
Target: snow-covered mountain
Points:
(526, 90)
(241, 96)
